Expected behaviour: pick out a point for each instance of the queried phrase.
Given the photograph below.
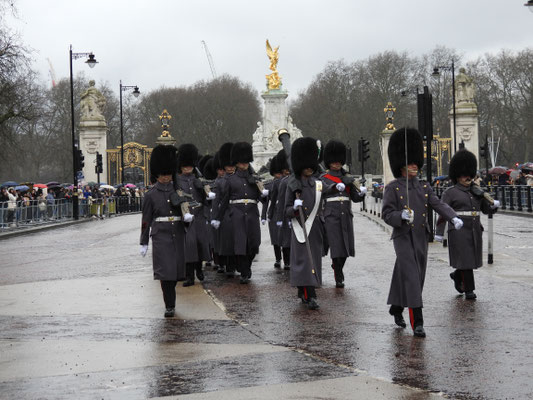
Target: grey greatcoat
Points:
(244, 218)
(215, 187)
(268, 211)
(225, 231)
(168, 238)
(338, 216)
(410, 240)
(284, 232)
(465, 246)
(196, 239)
(301, 268)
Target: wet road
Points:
(80, 317)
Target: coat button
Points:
(397, 188)
(423, 215)
(426, 195)
(401, 197)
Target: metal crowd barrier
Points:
(40, 212)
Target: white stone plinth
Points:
(93, 139)
(275, 117)
(467, 123)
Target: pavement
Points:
(81, 317)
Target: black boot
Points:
(396, 312)
(337, 265)
(199, 273)
(313, 304)
(417, 321)
(277, 264)
(169, 313)
(458, 281)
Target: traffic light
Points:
(99, 164)
(80, 160)
(483, 151)
(365, 150)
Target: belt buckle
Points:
(246, 201)
(474, 214)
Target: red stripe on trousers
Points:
(412, 318)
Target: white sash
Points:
(296, 227)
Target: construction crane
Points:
(52, 73)
(210, 60)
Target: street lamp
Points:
(136, 93)
(91, 62)
(436, 73)
(530, 5)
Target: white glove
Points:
(215, 224)
(143, 250)
(188, 217)
(363, 189)
(263, 221)
(457, 223)
(408, 215)
(279, 223)
(495, 205)
(211, 195)
(264, 193)
(298, 203)
(289, 224)
(438, 238)
(340, 187)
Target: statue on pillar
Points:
(273, 80)
(92, 104)
(464, 88)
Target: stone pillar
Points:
(387, 173)
(466, 114)
(275, 116)
(93, 139)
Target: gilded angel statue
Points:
(274, 80)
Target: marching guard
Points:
(465, 246)
(405, 207)
(163, 219)
(197, 244)
(283, 232)
(338, 216)
(240, 197)
(303, 205)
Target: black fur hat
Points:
(463, 163)
(163, 160)
(281, 159)
(209, 170)
(396, 150)
(304, 154)
(225, 155)
(335, 151)
(274, 168)
(187, 155)
(216, 161)
(202, 162)
(241, 152)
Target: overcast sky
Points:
(154, 43)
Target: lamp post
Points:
(91, 61)
(529, 4)
(436, 73)
(136, 93)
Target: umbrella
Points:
(104, 186)
(91, 183)
(497, 170)
(40, 185)
(9, 184)
(527, 166)
(130, 185)
(21, 188)
(52, 183)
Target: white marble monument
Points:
(93, 132)
(466, 114)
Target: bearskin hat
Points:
(187, 155)
(281, 159)
(463, 163)
(274, 168)
(202, 162)
(225, 155)
(163, 160)
(241, 152)
(209, 171)
(396, 150)
(335, 151)
(304, 154)
(216, 161)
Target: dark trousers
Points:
(286, 255)
(306, 292)
(467, 275)
(338, 265)
(277, 252)
(190, 268)
(169, 293)
(415, 315)
(244, 264)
